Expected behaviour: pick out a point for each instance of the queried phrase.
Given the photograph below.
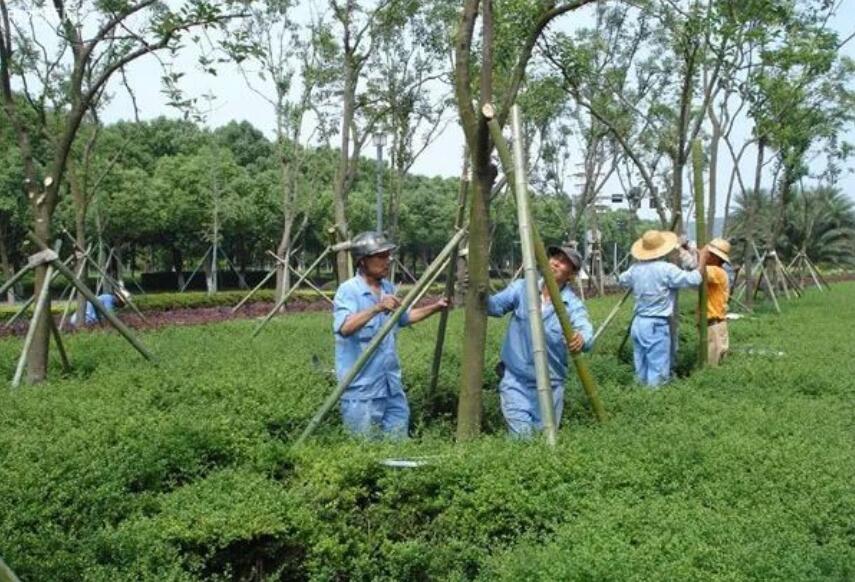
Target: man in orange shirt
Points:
(718, 292)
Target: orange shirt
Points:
(717, 292)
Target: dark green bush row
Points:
(124, 471)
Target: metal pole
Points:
(538, 335)
(290, 292)
(372, 346)
(41, 302)
(701, 237)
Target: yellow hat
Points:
(654, 244)
(720, 248)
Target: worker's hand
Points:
(387, 304)
(440, 305)
(577, 343)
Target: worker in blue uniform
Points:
(518, 385)
(653, 281)
(375, 401)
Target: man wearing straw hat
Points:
(375, 400)
(111, 301)
(718, 292)
(518, 385)
(653, 281)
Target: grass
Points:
(124, 471)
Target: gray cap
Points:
(572, 254)
(369, 243)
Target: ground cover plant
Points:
(184, 471)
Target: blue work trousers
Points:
(651, 340)
(389, 415)
(521, 408)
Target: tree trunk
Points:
(749, 223)
(37, 357)
(283, 250)
(178, 265)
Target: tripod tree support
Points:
(701, 237)
(450, 280)
(57, 338)
(15, 278)
(332, 248)
(375, 342)
(93, 299)
(288, 266)
(6, 573)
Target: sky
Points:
(234, 101)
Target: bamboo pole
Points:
(538, 335)
(6, 573)
(281, 302)
(41, 302)
(610, 317)
(764, 276)
(450, 279)
(818, 274)
(196, 270)
(63, 357)
(379, 337)
(701, 237)
(254, 290)
(288, 266)
(15, 278)
(579, 361)
(93, 299)
(29, 301)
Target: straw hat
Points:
(720, 248)
(654, 244)
(123, 295)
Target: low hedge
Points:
(186, 471)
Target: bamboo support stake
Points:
(15, 278)
(63, 356)
(41, 302)
(538, 335)
(287, 265)
(764, 276)
(450, 277)
(610, 317)
(254, 290)
(196, 270)
(281, 302)
(701, 237)
(96, 303)
(6, 573)
(29, 301)
(579, 361)
(379, 337)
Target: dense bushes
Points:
(186, 470)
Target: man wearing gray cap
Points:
(375, 399)
(518, 386)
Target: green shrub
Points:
(186, 471)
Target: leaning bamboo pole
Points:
(610, 317)
(6, 573)
(14, 279)
(701, 236)
(450, 280)
(375, 342)
(532, 291)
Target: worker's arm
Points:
(417, 314)
(356, 321)
(505, 300)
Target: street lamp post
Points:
(379, 142)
